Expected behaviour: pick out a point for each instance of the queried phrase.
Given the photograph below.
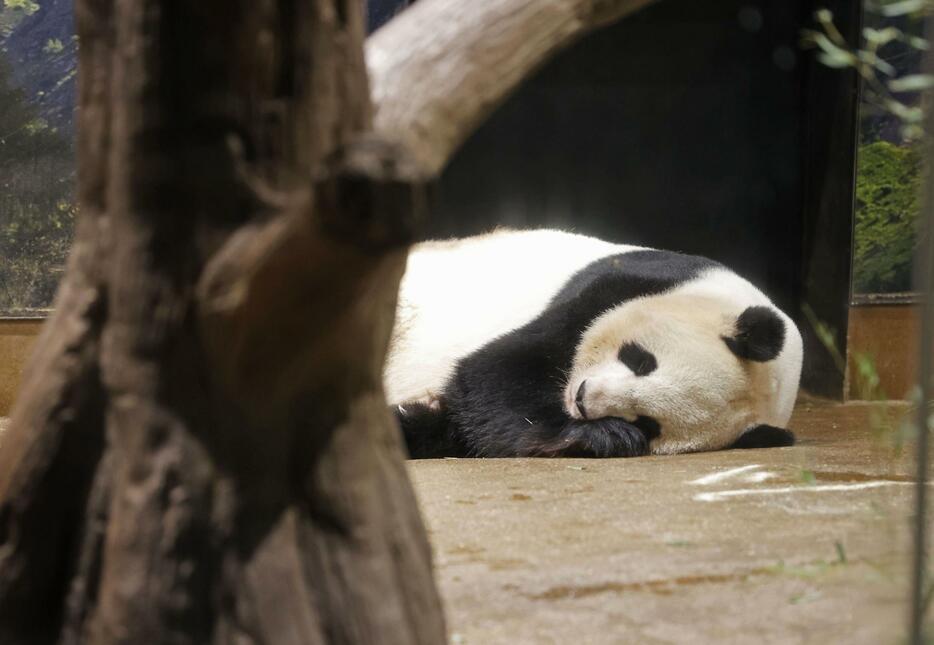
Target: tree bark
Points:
(201, 451)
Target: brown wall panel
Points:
(889, 335)
(17, 338)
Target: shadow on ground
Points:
(806, 544)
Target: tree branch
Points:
(437, 70)
(440, 67)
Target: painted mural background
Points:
(37, 98)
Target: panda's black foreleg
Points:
(608, 437)
(428, 431)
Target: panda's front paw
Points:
(607, 437)
(427, 431)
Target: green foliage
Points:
(888, 183)
(53, 46)
(884, 88)
(867, 377)
(28, 7)
(36, 209)
(892, 8)
(826, 335)
(9, 18)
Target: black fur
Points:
(765, 436)
(427, 432)
(759, 335)
(637, 358)
(505, 400)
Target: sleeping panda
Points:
(546, 343)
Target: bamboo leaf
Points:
(902, 7)
(912, 83)
(879, 64)
(908, 114)
(881, 37)
(832, 55)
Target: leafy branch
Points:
(882, 83)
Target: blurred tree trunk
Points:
(201, 450)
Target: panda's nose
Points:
(579, 399)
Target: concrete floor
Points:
(787, 545)
(794, 545)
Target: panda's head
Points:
(695, 370)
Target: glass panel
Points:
(889, 162)
(37, 172)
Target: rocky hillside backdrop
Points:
(37, 39)
(37, 95)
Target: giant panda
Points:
(548, 343)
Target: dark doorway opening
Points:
(693, 126)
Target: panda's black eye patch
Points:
(637, 358)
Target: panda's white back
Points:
(458, 295)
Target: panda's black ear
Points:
(763, 436)
(758, 335)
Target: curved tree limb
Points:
(441, 66)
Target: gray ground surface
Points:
(639, 551)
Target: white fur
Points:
(458, 295)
